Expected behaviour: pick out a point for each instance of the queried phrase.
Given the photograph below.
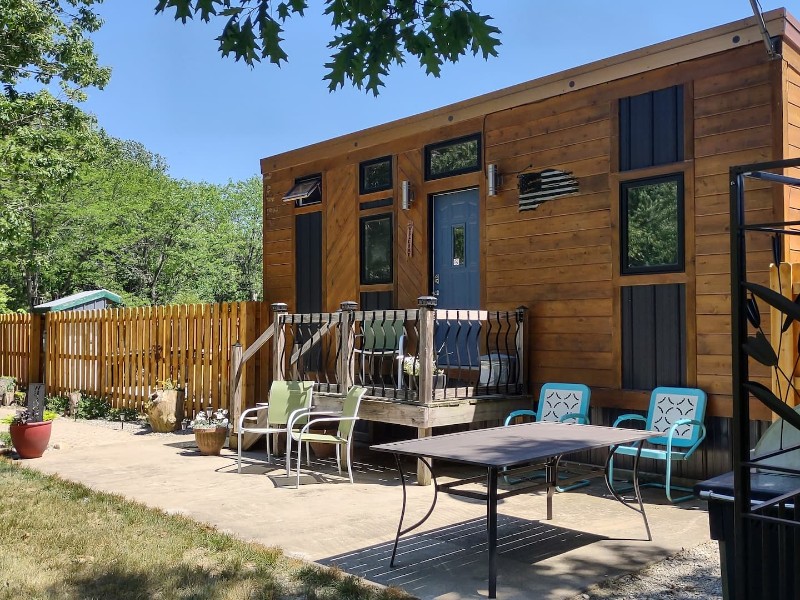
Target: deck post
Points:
(235, 391)
(279, 342)
(427, 317)
(344, 368)
(522, 314)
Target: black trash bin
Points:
(773, 561)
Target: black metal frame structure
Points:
(766, 532)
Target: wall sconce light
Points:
(406, 195)
(492, 179)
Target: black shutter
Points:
(308, 262)
(653, 336)
(651, 129)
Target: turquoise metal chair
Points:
(558, 403)
(678, 413)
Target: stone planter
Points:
(30, 440)
(74, 401)
(324, 450)
(210, 441)
(8, 398)
(164, 410)
(439, 381)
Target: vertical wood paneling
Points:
(341, 241)
(15, 346)
(122, 354)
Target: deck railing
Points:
(419, 355)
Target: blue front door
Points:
(456, 280)
(456, 273)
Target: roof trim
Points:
(685, 48)
(74, 300)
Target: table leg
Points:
(636, 489)
(400, 530)
(491, 500)
(551, 475)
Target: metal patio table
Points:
(511, 450)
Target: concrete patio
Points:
(331, 522)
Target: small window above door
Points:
(453, 157)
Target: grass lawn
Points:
(61, 540)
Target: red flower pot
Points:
(31, 440)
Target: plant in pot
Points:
(29, 437)
(164, 407)
(411, 370)
(210, 430)
(8, 385)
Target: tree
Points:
(372, 34)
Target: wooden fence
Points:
(15, 345)
(123, 353)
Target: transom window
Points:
(376, 249)
(375, 175)
(652, 225)
(453, 157)
(306, 190)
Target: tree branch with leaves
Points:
(371, 35)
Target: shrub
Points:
(92, 407)
(131, 414)
(5, 439)
(58, 404)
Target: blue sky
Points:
(213, 119)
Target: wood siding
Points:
(562, 259)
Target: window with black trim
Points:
(306, 191)
(651, 215)
(453, 157)
(376, 249)
(375, 175)
(651, 129)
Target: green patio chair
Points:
(341, 439)
(285, 399)
(381, 339)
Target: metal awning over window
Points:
(303, 190)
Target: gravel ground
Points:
(693, 573)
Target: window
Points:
(375, 175)
(652, 225)
(376, 249)
(651, 129)
(306, 190)
(462, 155)
(459, 252)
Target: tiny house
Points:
(597, 198)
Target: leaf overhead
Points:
(370, 36)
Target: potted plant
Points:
(29, 437)
(210, 431)
(8, 385)
(164, 407)
(411, 369)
